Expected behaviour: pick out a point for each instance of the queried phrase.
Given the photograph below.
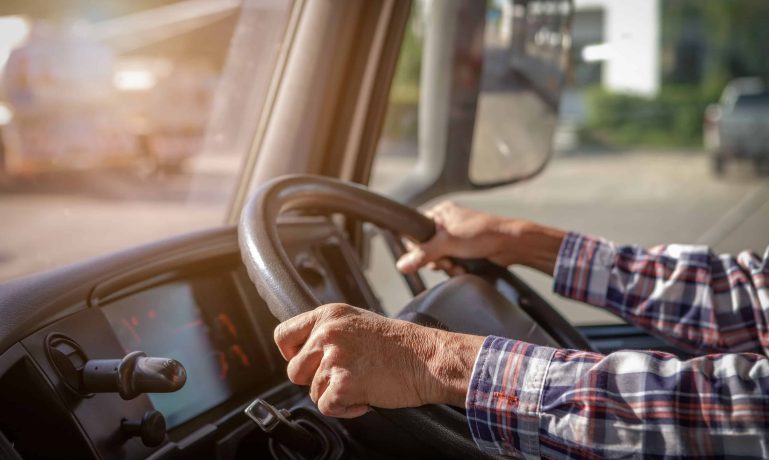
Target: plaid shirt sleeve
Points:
(530, 401)
(686, 295)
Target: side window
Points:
(659, 137)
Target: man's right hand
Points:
(465, 233)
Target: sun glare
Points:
(14, 30)
(134, 79)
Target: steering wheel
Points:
(287, 295)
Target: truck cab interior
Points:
(164, 349)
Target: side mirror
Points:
(489, 94)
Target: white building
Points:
(624, 36)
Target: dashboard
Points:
(187, 299)
(198, 319)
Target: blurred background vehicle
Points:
(737, 128)
(109, 93)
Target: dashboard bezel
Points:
(229, 269)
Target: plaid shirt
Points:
(532, 401)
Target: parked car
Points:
(737, 128)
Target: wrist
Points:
(451, 366)
(533, 245)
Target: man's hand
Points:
(353, 359)
(469, 234)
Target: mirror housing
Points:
(452, 80)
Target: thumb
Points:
(413, 260)
(420, 255)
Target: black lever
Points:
(281, 428)
(151, 428)
(133, 375)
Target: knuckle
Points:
(335, 355)
(278, 334)
(325, 409)
(293, 372)
(337, 310)
(345, 382)
(333, 308)
(332, 332)
(318, 383)
(314, 394)
(325, 333)
(335, 399)
(445, 207)
(326, 308)
(330, 404)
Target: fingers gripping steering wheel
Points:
(287, 295)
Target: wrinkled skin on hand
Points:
(466, 233)
(353, 359)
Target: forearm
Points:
(530, 244)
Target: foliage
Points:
(731, 37)
(673, 118)
(401, 121)
(704, 44)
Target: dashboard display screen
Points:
(200, 322)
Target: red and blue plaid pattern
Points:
(531, 401)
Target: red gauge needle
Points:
(237, 351)
(224, 366)
(131, 329)
(227, 322)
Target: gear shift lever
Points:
(279, 425)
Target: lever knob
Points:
(133, 375)
(151, 428)
(279, 425)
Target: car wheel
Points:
(759, 166)
(718, 164)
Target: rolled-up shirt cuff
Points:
(504, 396)
(583, 268)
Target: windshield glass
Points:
(647, 149)
(753, 101)
(123, 122)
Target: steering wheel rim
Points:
(286, 295)
(267, 263)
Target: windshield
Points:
(124, 122)
(752, 101)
